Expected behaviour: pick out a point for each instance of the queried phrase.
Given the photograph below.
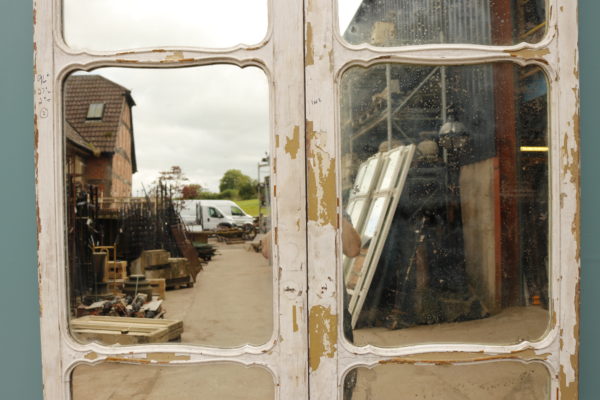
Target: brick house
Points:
(99, 134)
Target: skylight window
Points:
(95, 111)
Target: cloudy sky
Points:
(205, 119)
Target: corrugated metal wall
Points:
(442, 21)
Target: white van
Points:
(200, 215)
(230, 213)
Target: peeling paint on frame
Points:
(292, 145)
(295, 319)
(310, 57)
(530, 53)
(451, 358)
(322, 335)
(322, 200)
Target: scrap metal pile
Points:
(123, 306)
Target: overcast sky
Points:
(204, 119)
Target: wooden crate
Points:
(151, 258)
(125, 330)
(159, 287)
(115, 270)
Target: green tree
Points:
(248, 190)
(234, 179)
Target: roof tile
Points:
(83, 90)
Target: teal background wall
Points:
(20, 365)
(589, 46)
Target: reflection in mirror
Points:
(109, 25)
(223, 381)
(445, 192)
(389, 23)
(492, 381)
(167, 199)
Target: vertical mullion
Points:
(568, 229)
(288, 168)
(322, 199)
(46, 157)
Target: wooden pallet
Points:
(180, 282)
(124, 330)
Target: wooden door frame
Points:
(279, 55)
(327, 56)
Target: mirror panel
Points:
(449, 226)
(387, 23)
(110, 25)
(165, 179)
(494, 381)
(227, 381)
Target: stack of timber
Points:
(175, 271)
(123, 330)
(152, 258)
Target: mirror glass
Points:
(112, 381)
(388, 23)
(493, 381)
(445, 199)
(165, 179)
(110, 25)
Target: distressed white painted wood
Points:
(327, 58)
(280, 56)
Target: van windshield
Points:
(237, 212)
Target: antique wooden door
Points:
(473, 295)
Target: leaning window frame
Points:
(279, 55)
(327, 55)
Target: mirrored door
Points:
(436, 245)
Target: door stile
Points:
(323, 201)
(289, 194)
(568, 237)
(49, 282)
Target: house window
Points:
(422, 192)
(95, 111)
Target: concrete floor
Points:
(230, 305)
(491, 381)
(511, 326)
